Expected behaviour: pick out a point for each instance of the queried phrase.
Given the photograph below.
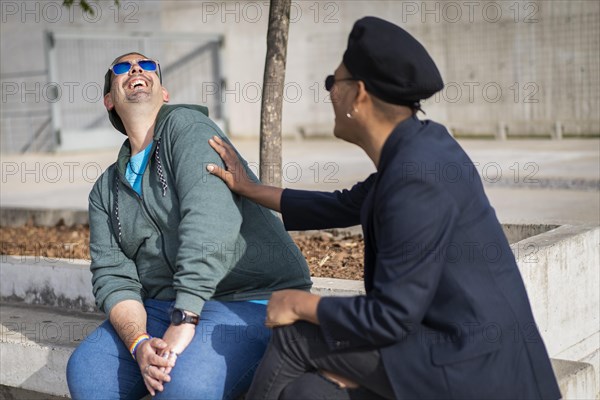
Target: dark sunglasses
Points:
(330, 81)
(125, 66)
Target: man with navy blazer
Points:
(445, 300)
(446, 313)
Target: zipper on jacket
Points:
(148, 216)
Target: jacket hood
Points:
(167, 109)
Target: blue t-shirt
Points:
(265, 302)
(135, 168)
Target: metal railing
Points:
(41, 108)
(25, 116)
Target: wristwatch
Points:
(179, 317)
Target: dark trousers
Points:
(290, 369)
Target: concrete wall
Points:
(27, 88)
(511, 68)
(44, 281)
(561, 274)
(521, 66)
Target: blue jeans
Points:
(219, 363)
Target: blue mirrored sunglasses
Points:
(125, 66)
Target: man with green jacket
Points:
(181, 266)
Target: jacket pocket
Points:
(474, 370)
(453, 352)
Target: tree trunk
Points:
(272, 97)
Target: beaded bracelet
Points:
(142, 338)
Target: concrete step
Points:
(35, 345)
(577, 380)
(36, 342)
(13, 393)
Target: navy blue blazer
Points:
(445, 302)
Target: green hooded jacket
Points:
(188, 238)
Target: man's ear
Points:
(362, 95)
(166, 97)
(108, 103)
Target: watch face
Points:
(177, 316)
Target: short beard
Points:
(137, 97)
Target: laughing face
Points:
(137, 86)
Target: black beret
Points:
(394, 66)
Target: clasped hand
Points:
(157, 357)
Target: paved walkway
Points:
(526, 180)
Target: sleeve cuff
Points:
(289, 212)
(326, 305)
(189, 302)
(118, 297)
(283, 207)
